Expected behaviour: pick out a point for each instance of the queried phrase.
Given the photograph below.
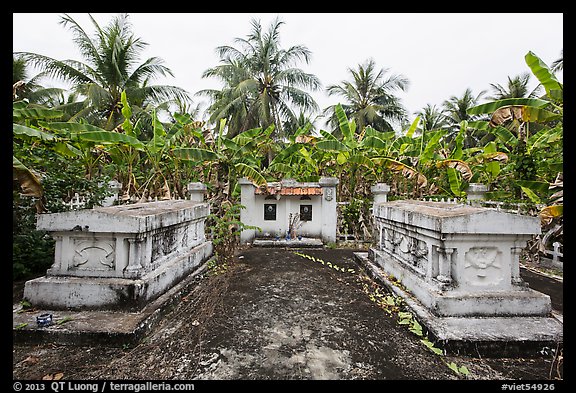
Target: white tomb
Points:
(120, 257)
(458, 260)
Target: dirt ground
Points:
(274, 315)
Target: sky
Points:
(441, 54)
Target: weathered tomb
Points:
(458, 269)
(270, 208)
(456, 259)
(120, 257)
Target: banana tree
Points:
(24, 128)
(228, 159)
(370, 156)
(39, 144)
(538, 157)
(299, 159)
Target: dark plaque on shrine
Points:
(305, 212)
(270, 211)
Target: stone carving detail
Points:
(409, 249)
(164, 242)
(184, 239)
(93, 255)
(329, 194)
(419, 249)
(483, 266)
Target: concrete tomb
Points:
(120, 257)
(460, 266)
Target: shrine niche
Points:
(289, 210)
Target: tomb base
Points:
(60, 292)
(517, 300)
(484, 336)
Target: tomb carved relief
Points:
(93, 255)
(483, 266)
(407, 248)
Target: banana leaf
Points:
(535, 186)
(194, 154)
(361, 160)
(492, 106)
(29, 182)
(431, 146)
(343, 122)
(504, 135)
(331, 145)
(533, 197)
(105, 137)
(544, 138)
(373, 142)
(459, 141)
(248, 135)
(548, 213)
(127, 113)
(19, 130)
(413, 127)
(478, 124)
(539, 115)
(400, 167)
(455, 183)
(70, 127)
(229, 144)
(281, 168)
(35, 113)
(250, 173)
(385, 136)
(159, 137)
(328, 136)
(542, 73)
(66, 150)
(308, 158)
(492, 159)
(458, 165)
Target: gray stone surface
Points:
(98, 327)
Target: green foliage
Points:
(225, 230)
(32, 253)
(353, 215)
(216, 267)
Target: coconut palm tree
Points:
(29, 88)
(455, 109)
(261, 84)
(110, 67)
(558, 64)
(517, 88)
(369, 98)
(431, 118)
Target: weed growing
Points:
(393, 305)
